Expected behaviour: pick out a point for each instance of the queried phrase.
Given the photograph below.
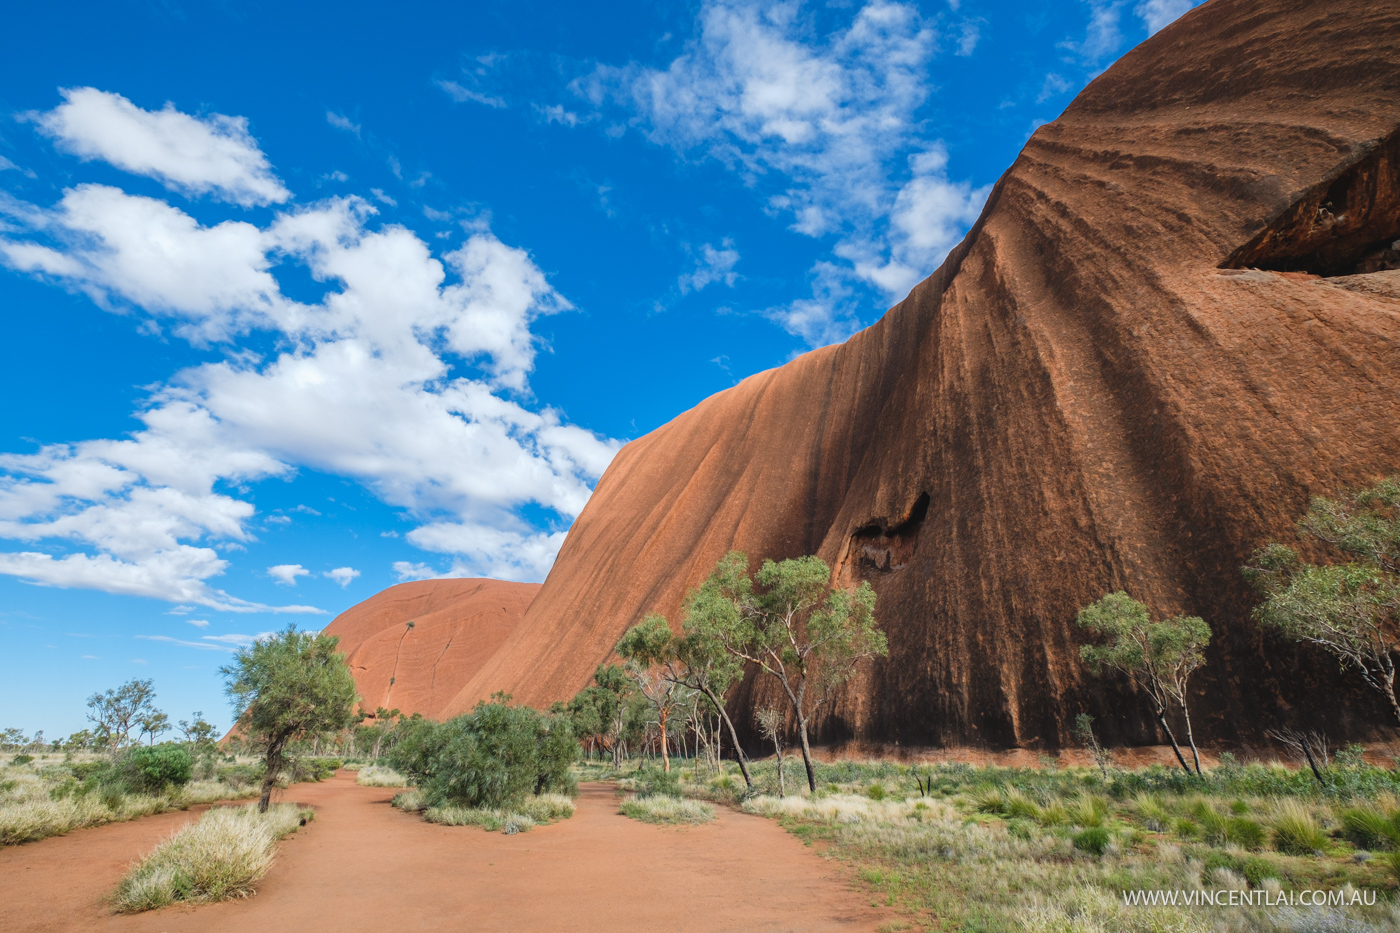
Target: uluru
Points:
(1176, 319)
(413, 646)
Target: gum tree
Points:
(286, 687)
(648, 653)
(789, 621)
(116, 712)
(1350, 609)
(1159, 656)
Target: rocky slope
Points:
(1129, 375)
(413, 646)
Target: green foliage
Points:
(1158, 651)
(1368, 828)
(240, 776)
(1296, 831)
(155, 769)
(1350, 609)
(1093, 840)
(653, 782)
(876, 792)
(115, 713)
(21, 759)
(289, 686)
(493, 757)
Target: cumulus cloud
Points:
(712, 265)
(214, 155)
(286, 574)
(410, 375)
(1158, 14)
(823, 126)
(491, 551)
(198, 623)
(342, 575)
(342, 122)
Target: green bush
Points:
(1092, 840)
(154, 769)
(240, 776)
(492, 757)
(1254, 868)
(875, 792)
(653, 782)
(21, 759)
(83, 770)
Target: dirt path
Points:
(362, 865)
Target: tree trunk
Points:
(272, 766)
(733, 736)
(778, 750)
(807, 754)
(1162, 718)
(665, 743)
(1390, 687)
(1191, 739)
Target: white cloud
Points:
(1054, 85)
(414, 571)
(198, 623)
(409, 375)
(342, 575)
(201, 645)
(215, 155)
(500, 553)
(462, 95)
(341, 122)
(1102, 37)
(712, 265)
(1158, 14)
(286, 574)
(824, 126)
(234, 639)
(970, 31)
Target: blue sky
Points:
(305, 300)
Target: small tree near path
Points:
(647, 649)
(1350, 610)
(790, 622)
(1159, 656)
(289, 686)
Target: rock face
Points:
(1175, 320)
(413, 646)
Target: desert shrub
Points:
(240, 776)
(654, 782)
(1296, 831)
(1368, 828)
(875, 792)
(1088, 812)
(1153, 814)
(547, 808)
(21, 759)
(1092, 840)
(1253, 868)
(492, 757)
(667, 810)
(220, 857)
(315, 770)
(82, 770)
(153, 769)
(1019, 805)
(377, 776)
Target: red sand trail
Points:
(362, 865)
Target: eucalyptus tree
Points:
(793, 625)
(1350, 609)
(1158, 656)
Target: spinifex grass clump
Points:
(1296, 831)
(220, 857)
(377, 776)
(666, 809)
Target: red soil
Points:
(362, 865)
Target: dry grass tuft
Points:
(218, 858)
(377, 776)
(667, 810)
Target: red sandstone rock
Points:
(1097, 390)
(457, 625)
